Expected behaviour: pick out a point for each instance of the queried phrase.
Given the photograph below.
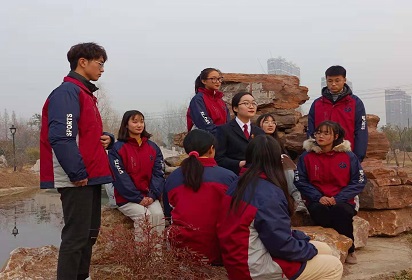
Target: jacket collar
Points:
(310, 145)
(133, 141)
(207, 162)
(89, 85)
(328, 95)
(211, 93)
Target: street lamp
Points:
(13, 131)
(15, 231)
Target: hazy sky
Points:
(157, 48)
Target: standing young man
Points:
(340, 105)
(73, 157)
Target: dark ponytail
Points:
(203, 76)
(196, 143)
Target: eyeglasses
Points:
(215, 80)
(248, 104)
(101, 64)
(269, 122)
(324, 133)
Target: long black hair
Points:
(123, 133)
(203, 76)
(275, 134)
(334, 127)
(263, 154)
(196, 143)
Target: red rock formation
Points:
(388, 222)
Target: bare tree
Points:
(110, 117)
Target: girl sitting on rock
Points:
(255, 232)
(268, 124)
(329, 177)
(137, 164)
(194, 191)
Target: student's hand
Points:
(332, 201)
(325, 201)
(242, 163)
(80, 183)
(149, 201)
(144, 202)
(105, 141)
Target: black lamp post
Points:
(13, 131)
(15, 231)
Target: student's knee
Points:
(323, 248)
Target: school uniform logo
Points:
(347, 109)
(342, 165)
(117, 165)
(361, 176)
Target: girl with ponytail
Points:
(194, 192)
(207, 108)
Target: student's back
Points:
(195, 191)
(195, 214)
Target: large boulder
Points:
(31, 263)
(388, 222)
(380, 194)
(340, 244)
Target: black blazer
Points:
(232, 143)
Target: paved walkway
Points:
(381, 256)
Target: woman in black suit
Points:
(234, 136)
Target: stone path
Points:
(381, 256)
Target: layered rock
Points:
(276, 94)
(386, 199)
(388, 222)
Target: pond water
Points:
(37, 220)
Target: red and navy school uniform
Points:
(138, 170)
(348, 110)
(256, 240)
(207, 110)
(70, 148)
(195, 214)
(336, 174)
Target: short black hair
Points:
(85, 50)
(335, 70)
(334, 127)
(236, 99)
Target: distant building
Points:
(323, 83)
(397, 107)
(280, 66)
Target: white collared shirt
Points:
(241, 124)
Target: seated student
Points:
(195, 190)
(268, 124)
(329, 176)
(137, 166)
(207, 109)
(233, 137)
(254, 231)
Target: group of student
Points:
(231, 199)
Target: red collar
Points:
(207, 162)
(212, 93)
(261, 174)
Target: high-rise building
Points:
(280, 66)
(398, 107)
(323, 83)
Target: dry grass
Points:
(148, 258)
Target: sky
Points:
(157, 48)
